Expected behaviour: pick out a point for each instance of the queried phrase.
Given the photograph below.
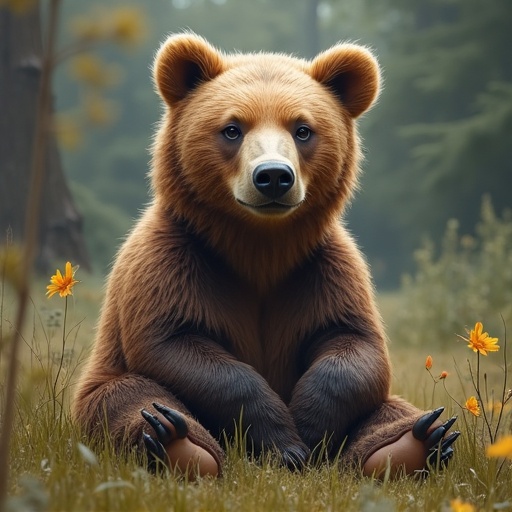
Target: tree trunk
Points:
(60, 224)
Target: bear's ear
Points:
(351, 72)
(183, 62)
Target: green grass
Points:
(54, 468)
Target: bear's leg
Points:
(118, 402)
(402, 436)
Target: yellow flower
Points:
(18, 6)
(128, 25)
(458, 505)
(480, 341)
(95, 72)
(428, 362)
(63, 285)
(68, 131)
(502, 448)
(99, 111)
(472, 406)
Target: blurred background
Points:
(435, 192)
(438, 141)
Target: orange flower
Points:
(480, 341)
(472, 406)
(502, 448)
(62, 284)
(428, 362)
(443, 375)
(458, 505)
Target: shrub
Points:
(470, 277)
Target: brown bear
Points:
(239, 298)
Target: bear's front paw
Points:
(295, 457)
(171, 447)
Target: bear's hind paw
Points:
(171, 446)
(440, 448)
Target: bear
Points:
(240, 299)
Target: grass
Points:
(53, 467)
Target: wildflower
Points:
(458, 505)
(63, 285)
(480, 341)
(68, 131)
(502, 448)
(428, 363)
(443, 375)
(128, 25)
(18, 6)
(472, 406)
(99, 111)
(90, 69)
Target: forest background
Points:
(436, 143)
(433, 217)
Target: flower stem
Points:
(61, 362)
(505, 378)
(32, 216)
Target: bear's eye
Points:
(303, 133)
(232, 132)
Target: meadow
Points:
(53, 467)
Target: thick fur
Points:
(215, 308)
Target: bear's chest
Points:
(267, 331)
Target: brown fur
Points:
(212, 308)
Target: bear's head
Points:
(258, 142)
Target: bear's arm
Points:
(347, 378)
(218, 389)
(346, 369)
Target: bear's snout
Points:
(273, 179)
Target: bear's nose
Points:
(273, 179)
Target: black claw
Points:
(177, 420)
(163, 434)
(446, 455)
(419, 430)
(155, 451)
(448, 424)
(450, 440)
(446, 451)
(436, 436)
(295, 458)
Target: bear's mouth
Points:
(271, 206)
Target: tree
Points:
(60, 233)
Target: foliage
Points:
(471, 277)
(441, 129)
(438, 128)
(105, 225)
(55, 467)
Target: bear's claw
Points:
(295, 458)
(155, 451)
(446, 451)
(440, 450)
(155, 447)
(438, 434)
(420, 428)
(163, 434)
(177, 420)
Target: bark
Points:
(60, 233)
